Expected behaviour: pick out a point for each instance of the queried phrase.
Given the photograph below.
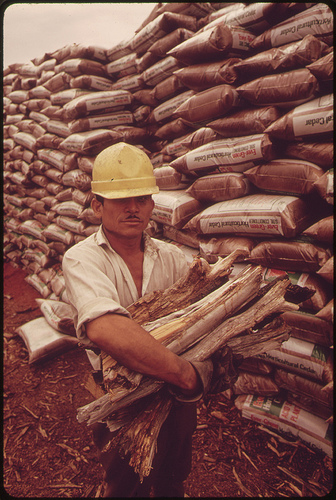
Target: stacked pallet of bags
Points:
(234, 106)
(60, 111)
(256, 174)
(47, 163)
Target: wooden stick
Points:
(201, 279)
(102, 407)
(240, 484)
(181, 329)
(301, 481)
(270, 303)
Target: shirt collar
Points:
(150, 246)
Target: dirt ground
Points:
(48, 454)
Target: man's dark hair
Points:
(100, 199)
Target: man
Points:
(104, 274)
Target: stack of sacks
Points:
(290, 389)
(161, 91)
(210, 83)
(60, 111)
(266, 184)
(258, 171)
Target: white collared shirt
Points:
(98, 280)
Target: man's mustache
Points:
(133, 217)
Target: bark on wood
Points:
(198, 319)
(177, 326)
(201, 279)
(101, 408)
(181, 329)
(272, 302)
(267, 338)
(139, 439)
(248, 287)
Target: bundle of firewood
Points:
(196, 317)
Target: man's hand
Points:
(203, 370)
(214, 375)
(225, 371)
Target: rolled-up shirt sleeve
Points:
(90, 291)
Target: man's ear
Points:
(97, 207)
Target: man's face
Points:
(124, 217)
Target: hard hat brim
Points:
(111, 194)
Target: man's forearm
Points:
(130, 345)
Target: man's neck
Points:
(125, 247)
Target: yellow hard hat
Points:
(123, 171)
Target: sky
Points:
(32, 29)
